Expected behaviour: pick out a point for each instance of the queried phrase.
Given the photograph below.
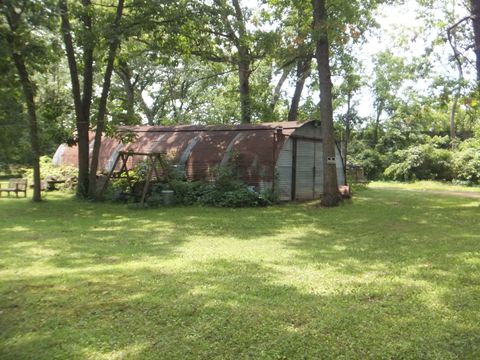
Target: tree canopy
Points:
(94, 65)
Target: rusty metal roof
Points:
(286, 125)
(198, 149)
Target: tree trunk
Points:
(453, 112)
(125, 75)
(32, 117)
(377, 123)
(134, 94)
(476, 31)
(102, 108)
(303, 71)
(244, 63)
(149, 112)
(29, 94)
(278, 87)
(81, 123)
(84, 131)
(244, 78)
(331, 195)
(348, 122)
(458, 88)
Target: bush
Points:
(225, 191)
(421, 162)
(118, 190)
(187, 192)
(235, 194)
(47, 169)
(372, 162)
(466, 161)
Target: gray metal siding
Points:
(310, 129)
(318, 169)
(284, 172)
(340, 172)
(305, 170)
(308, 167)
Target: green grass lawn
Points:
(391, 275)
(424, 186)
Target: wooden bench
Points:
(16, 186)
(52, 184)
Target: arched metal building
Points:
(285, 155)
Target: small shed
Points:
(284, 156)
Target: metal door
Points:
(305, 170)
(284, 171)
(318, 190)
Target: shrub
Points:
(466, 161)
(370, 160)
(187, 192)
(234, 194)
(239, 195)
(422, 162)
(225, 191)
(118, 190)
(47, 169)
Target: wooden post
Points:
(145, 187)
(109, 175)
(153, 160)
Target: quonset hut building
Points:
(285, 156)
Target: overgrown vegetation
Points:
(391, 275)
(420, 157)
(466, 161)
(50, 171)
(127, 62)
(224, 190)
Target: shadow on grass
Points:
(79, 234)
(409, 244)
(227, 309)
(392, 229)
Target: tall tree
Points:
(475, 16)
(81, 103)
(87, 42)
(303, 72)
(331, 195)
(18, 38)
(114, 41)
(228, 36)
(390, 73)
(350, 85)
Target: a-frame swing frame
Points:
(153, 160)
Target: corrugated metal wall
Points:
(305, 171)
(340, 171)
(318, 170)
(284, 172)
(261, 153)
(300, 165)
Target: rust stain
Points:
(254, 153)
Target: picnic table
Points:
(52, 184)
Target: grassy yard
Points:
(391, 275)
(425, 186)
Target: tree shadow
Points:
(224, 310)
(391, 277)
(75, 234)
